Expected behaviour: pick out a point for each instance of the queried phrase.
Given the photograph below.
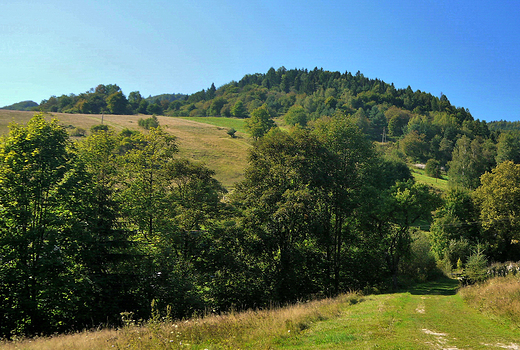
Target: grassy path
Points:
(433, 317)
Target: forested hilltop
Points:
(118, 224)
(417, 125)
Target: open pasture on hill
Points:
(199, 141)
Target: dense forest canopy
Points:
(116, 222)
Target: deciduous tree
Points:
(239, 110)
(34, 243)
(499, 201)
(259, 123)
(117, 103)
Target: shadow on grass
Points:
(442, 286)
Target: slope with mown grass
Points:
(419, 175)
(205, 140)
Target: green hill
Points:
(22, 106)
(326, 205)
(417, 125)
(204, 141)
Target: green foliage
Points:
(397, 120)
(134, 99)
(457, 250)
(420, 265)
(433, 168)
(22, 106)
(154, 108)
(508, 147)
(390, 171)
(498, 198)
(238, 110)
(78, 132)
(455, 228)
(471, 159)
(148, 123)
(116, 103)
(476, 267)
(259, 123)
(392, 215)
(414, 146)
(216, 106)
(319, 211)
(504, 125)
(36, 243)
(296, 115)
(99, 128)
(428, 125)
(231, 132)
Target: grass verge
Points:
(498, 296)
(260, 329)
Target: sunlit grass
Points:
(420, 176)
(235, 123)
(198, 140)
(498, 296)
(429, 316)
(254, 329)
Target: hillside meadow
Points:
(204, 141)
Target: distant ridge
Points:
(21, 106)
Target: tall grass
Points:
(498, 296)
(253, 329)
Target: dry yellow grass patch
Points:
(101, 339)
(201, 142)
(258, 329)
(499, 296)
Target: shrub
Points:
(78, 132)
(98, 128)
(148, 123)
(476, 267)
(433, 168)
(456, 250)
(421, 266)
(231, 132)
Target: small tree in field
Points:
(433, 168)
(148, 123)
(260, 122)
(231, 132)
(476, 267)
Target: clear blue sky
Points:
(468, 50)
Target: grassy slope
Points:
(202, 139)
(420, 176)
(228, 123)
(430, 316)
(205, 140)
